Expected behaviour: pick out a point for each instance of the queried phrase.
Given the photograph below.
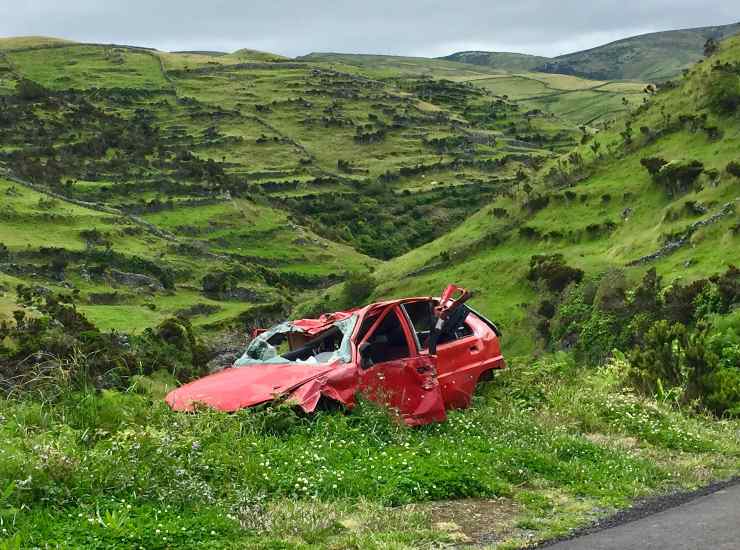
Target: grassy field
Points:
(502, 61)
(543, 448)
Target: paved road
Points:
(708, 522)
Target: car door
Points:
(392, 371)
(459, 350)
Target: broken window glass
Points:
(287, 343)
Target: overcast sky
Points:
(403, 27)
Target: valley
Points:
(157, 207)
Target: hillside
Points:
(648, 57)
(290, 173)
(388, 66)
(599, 208)
(156, 207)
(571, 100)
(501, 61)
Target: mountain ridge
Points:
(630, 58)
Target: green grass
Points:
(648, 57)
(502, 61)
(116, 469)
(82, 67)
(384, 66)
(570, 98)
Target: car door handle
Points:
(474, 349)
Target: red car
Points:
(421, 356)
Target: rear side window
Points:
(422, 320)
(455, 332)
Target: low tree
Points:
(358, 287)
(30, 91)
(710, 47)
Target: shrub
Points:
(733, 168)
(358, 287)
(646, 297)
(728, 288)
(30, 90)
(701, 367)
(551, 270)
(653, 164)
(218, 283)
(659, 362)
(678, 301)
(611, 294)
(723, 92)
(678, 176)
(536, 203)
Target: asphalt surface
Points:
(711, 521)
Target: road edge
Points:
(640, 509)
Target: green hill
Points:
(388, 66)
(599, 207)
(648, 57)
(501, 61)
(290, 173)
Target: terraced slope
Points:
(264, 178)
(574, 101)
(601, 209)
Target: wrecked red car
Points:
(421, 356)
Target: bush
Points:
(733, 168)
(723, 93)
(678, 301)
(702, 368)
(551, 270)
(678, 176)
(653, 164)
(357, 288)
(30, 90)
(218, 283)
(660, 362)
(611, 294)
(56, 347)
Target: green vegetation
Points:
(155, 207)
(649, 57)
(502, 61)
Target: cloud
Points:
(404, 27)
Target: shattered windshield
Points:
(288, 343)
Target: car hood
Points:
(237, 388)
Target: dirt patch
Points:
(475, 521)
(623, 442)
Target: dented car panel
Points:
(420, 356)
